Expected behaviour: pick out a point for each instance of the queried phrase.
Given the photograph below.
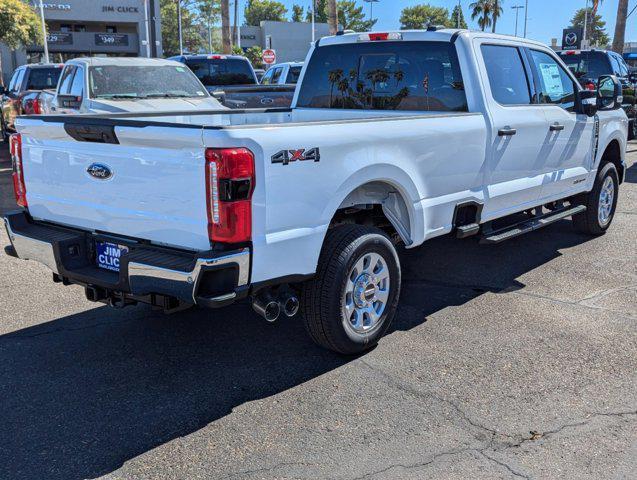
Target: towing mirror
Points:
(609, 93)
(69, 101)
(587, 100)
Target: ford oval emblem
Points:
(99, 171)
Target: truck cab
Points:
(25, 81)
(283, 74)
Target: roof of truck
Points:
(120, 61)
(431, 34)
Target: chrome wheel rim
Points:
(366, 294)
(606, 199)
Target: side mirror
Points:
(609, 93)
(69, 101)
(587, 100)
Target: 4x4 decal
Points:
(287, 156)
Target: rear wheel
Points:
(350, 303)
(600, 202)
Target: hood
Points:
(154, 104)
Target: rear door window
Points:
(277, 75)
(77, 87)
(293, 75)
(390, 75)
(66, 80)
(507, 76)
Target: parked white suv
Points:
(283, 74)
(393, 137)
(123, 84)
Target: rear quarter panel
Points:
(434, 163)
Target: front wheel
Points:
(600, 202)
(350, 303)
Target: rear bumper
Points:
(209, 279)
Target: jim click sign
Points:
(119, 9)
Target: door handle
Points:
(556, 127)
(507, 132)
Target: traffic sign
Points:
(269, 56)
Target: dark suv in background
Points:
(589, 65)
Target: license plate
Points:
(108, 255)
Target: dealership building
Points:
(290, 40)
(92, 28)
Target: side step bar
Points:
(527, 226)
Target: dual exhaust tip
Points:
(271, 307)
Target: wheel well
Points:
(613, 155)
(376, 204)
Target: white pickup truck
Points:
(393, 137)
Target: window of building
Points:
(393, 75)
(507, 77)
(66, 27)
(111, 29)
(79, 28)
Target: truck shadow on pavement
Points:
(83, 394)
(631, 173)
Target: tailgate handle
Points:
(91, 133)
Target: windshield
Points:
(163, 81)
(43, 78)
(230, 71)
(588, 65)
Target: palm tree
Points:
(481, 9)
(496, 12)
(620, 27)
(226, 42)
(332, 17)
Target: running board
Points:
(527, 226)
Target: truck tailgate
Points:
(156, 190)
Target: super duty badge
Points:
(287, 156)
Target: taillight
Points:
(229, 186)
(36, 107)
(19, 188)
(32, 106)
(590, 86)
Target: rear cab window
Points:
(219, 72)
(293, 75)
(43, 78)
(392, 75)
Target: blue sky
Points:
(546, 20)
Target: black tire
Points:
(323, 297)
(589, 221)
(4, 135)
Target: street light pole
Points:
(147, 28)
(181, 40)
(526, 15)
(371, 8)
(517, 9)
(313, 21)
(458, 16)
(46, 43)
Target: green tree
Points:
(257, 11)
(191, 27)
(351, 17)
(321, 12)
(457, 18)
(420, 16)
(208, 12)
(19, 25)
(297, 13)
(596, 27)
(254, 55)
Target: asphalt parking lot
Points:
(513, 361)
